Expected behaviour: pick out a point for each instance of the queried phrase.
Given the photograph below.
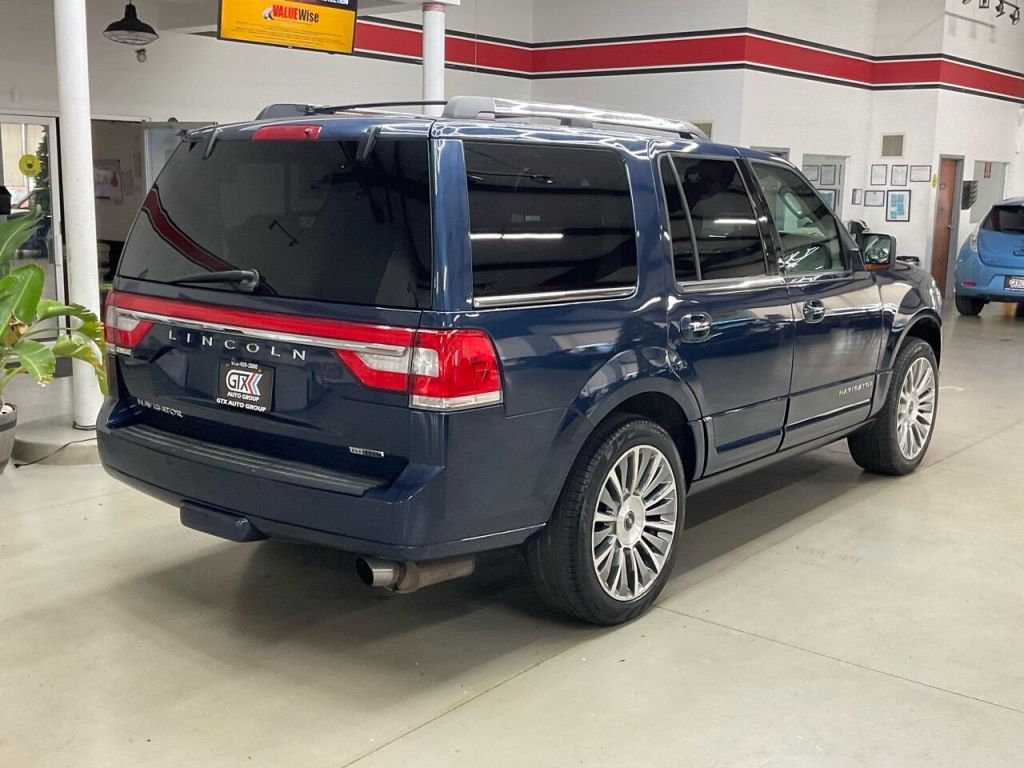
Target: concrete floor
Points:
(818, 617)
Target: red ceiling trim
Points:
(576, 59)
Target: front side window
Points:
(808, 230)
(724, 224)
(547, 219)
(1005, 218)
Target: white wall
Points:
(582, 19)
(849, 24)
(197, 78)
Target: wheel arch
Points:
(926, 326)
(669, 403)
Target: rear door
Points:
(730, 319)
(309, 360)
(836, 305)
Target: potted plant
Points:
(30, 345)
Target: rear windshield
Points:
(547, 219)
(311, 220)
(1005, 218)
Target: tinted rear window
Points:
(311, 220)
(1005, 218)
(545, 219)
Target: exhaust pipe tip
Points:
(378, 573)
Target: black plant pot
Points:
(8, 421)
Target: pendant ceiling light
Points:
(130, 30)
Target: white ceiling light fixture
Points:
(129, 30)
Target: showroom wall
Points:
(197, 78)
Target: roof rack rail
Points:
(305, 110)
(475, 107)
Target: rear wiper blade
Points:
(247, 280)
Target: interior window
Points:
(808, 230)
(679, 223)
(548, 218)
(724, 224)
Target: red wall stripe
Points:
(740, 48)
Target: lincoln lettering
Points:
(231, 345)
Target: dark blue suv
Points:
(515, 325)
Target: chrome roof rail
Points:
(477, 107)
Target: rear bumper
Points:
(988, 280)
(426, 513)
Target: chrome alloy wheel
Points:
(916, 413)
(634, 522)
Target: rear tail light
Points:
(438, 370)
(287, 133)
(974, 240)
(441, 370)
(122, 330)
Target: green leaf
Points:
(48, 308)
(13, 234)
(90, 327)
(80, 347)
(20, 292)
(37, 360)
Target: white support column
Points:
(433, 54)
(1015, 174)
(77, 181)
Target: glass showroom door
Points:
(29, 172)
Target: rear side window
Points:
(546, 219)
(722, 216)
(1005, 218)
(311, 220)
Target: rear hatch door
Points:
(269, 290)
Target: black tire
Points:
(561, 558)
(876, 447)
(1020, 311)
(969, 306)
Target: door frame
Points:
(56, 198)
(955, 215)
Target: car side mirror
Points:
(877, 250)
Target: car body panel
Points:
(462, 482)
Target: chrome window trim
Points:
(732, 283)
(257, 333)
(554, 297)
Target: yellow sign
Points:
(30, 166)
(313, 25)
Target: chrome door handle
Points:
(814, 311)
(696, 327)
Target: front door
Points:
(942, 236)
(730, 319)
(837, 306)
